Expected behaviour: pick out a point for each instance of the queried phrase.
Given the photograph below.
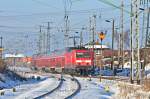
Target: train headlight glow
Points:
(87, 61)
(78, 61)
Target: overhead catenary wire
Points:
(45, 4)
(88, 11)
(108, 2)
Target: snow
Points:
(96, 89)
(31, 90)
(10, 79)
(67, 88)
(89, 89)
(14, 55)
(97, 46)
(20, 69)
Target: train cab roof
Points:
(75, 48)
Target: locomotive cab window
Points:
(83, 55)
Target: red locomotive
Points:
(70, 61)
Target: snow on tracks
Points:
(68, 89)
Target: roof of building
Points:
(97, 46)
(13, 55)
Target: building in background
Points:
(106, 57)
(15, 59)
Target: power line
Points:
(44, 4)
(14, 27)
(58, 13)
(113, 5)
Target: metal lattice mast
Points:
(136, 38)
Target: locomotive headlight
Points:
(87, 61)
(78, 61)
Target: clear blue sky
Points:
(20, 19)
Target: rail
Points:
(77, 90)
(50, 92)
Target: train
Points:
(72, 60)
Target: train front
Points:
(83, 61)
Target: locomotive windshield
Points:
(82, 55)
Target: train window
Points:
(83, 55)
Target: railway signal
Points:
(101, 37)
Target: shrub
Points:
(14, 89)
(2, 93)
(2, 65)
(38, 78)
(33, 77)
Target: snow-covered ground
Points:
(67, 88)
(31, 90)
(95, 89)
(106, 89)
(20, 69)
(89, 89)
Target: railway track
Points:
(62, 91)
(77, 90)
(44, 95)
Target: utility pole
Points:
(136, 39)
(81, 37)
(119, 47)
(131, 45)
(90, 30)
(122, 32)
(54, 42)
(143, 23)
(48, 48)
(40, 40)
(113, 32)
(1, 47)
(66, 18)
(74, 38)
(147, 28)
(93, 37)
(44, 42)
